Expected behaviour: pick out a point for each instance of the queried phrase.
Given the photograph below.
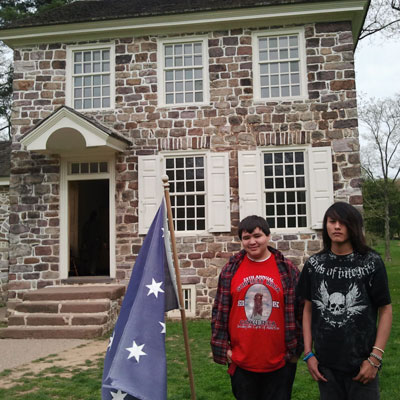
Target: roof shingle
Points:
(97, 10)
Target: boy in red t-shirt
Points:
(256, 321)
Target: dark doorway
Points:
(89, 227)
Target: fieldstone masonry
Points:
(232, 121)
(4, 247)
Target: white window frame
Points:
(69, 96)
(190, 291)
(161, 68)
(302, 63)
(319, 184)
(217, 207)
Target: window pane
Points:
(280, 197)
(278, 158)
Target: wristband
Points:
(308, 356)
(376, 356)
(378, 367)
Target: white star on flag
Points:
(136, 351)
(155, 288)
(118, 395)
(163, 327)
(110, 342)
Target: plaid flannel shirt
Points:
(289, 274)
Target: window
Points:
(90, 83)
(88, 167)
(285, 189)
(199, 190)
(187, 191)
(183, 76)
(290, 186)
(279, 68)
(189, 302)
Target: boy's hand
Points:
(367, 373)
(312, 364)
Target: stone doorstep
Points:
(51, 332)
(55, 307)
(80, 292)
(57, 320)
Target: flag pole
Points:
(178, 283)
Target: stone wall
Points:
(4, 245)
(231, 122)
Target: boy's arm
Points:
(312, 362)
(367, 370)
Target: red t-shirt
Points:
(256, 319)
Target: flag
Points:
(135, 365)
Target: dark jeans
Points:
(340, 386)
(276, 385)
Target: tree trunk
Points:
(388, 257)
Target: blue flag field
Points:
(135, 365)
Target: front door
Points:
(89, 228)
(87, 210)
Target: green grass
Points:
(211, 380)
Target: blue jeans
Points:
(275, 385)
(340, 386)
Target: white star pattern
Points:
(162, 229)
(136, 351)
(155, 288)
(110, 342)
(118, 395)
(163, 327)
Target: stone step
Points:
(86, 292)
(68, 306)
(40, 319)
(51, 332)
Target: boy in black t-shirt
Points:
(345, 290)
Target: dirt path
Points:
(68, 358)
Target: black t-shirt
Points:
(346, 292)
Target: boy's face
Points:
(337, 231)
(256, 244)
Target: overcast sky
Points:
(377, 64)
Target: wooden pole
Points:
(179, 285)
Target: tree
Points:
(380, 156)
(11, 10)
(374, 207)
(6, 89)
(384, 17)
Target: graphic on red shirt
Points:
(256, 321)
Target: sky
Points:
(378, 67)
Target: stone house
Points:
(5, 148)
(248, 106)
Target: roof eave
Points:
(343, 10)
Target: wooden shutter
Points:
(250, 184)
(150, 190)
(321, 183)
(218, 193)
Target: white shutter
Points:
(218, 195)
(150, 190)
(250, 184)
(321, 183)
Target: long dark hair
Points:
(351, 217)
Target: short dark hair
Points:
(351, 217)
(252, 222)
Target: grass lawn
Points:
(211, 380)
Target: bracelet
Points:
(373, 364)
(377, 348)
(308, 356)
(376, 356)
